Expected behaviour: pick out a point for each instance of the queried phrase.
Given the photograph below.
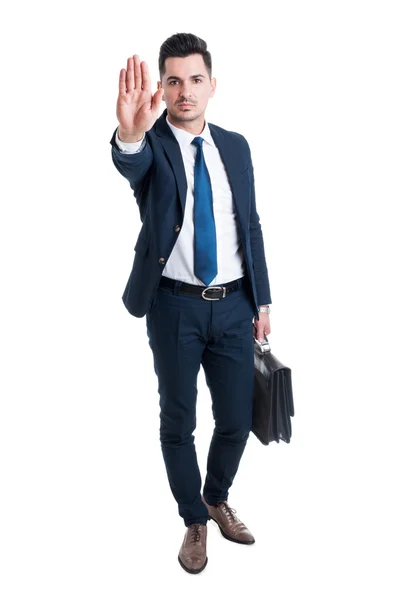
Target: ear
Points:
(213, 84)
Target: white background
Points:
(86, 510)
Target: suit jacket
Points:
(157, 176)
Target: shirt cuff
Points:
(130, 147)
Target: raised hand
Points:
(136, 109)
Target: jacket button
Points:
(162, 260)
(177, 228)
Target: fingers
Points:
(146, 81)
(122, 82)
(259, 331)
(136, 77)
(137, 71)
(130, 75)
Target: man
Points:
(199, 275)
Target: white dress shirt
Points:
(230, 257)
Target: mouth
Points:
(184, 105)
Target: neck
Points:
(195, 126)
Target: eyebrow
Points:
(192, 77)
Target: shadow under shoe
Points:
(230, 526)
(192, 555)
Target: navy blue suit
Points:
(157, 177)
(186, 331)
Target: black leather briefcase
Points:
(272, 396)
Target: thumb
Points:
(157, 99)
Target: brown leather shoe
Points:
(192, 555)
(230, 526)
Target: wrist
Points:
(128, 137)
(264, 308)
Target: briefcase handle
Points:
(264, 345)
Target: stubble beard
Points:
(185, 116)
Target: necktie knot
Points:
(198, 141)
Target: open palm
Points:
(137, 109)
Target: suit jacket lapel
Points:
(172, 150)
(233, 168)
(227, 153)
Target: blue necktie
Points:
(205, 242)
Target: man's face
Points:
(186, 80)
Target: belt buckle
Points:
(215, 287)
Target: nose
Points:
(185, 90)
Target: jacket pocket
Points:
(142, 244)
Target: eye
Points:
(198, 80)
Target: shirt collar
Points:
(184, 138)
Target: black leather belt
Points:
(211, 292)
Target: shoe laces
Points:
(229, 511)
(195, 531)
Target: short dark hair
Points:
(183, 44)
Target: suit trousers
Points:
(184, 332)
